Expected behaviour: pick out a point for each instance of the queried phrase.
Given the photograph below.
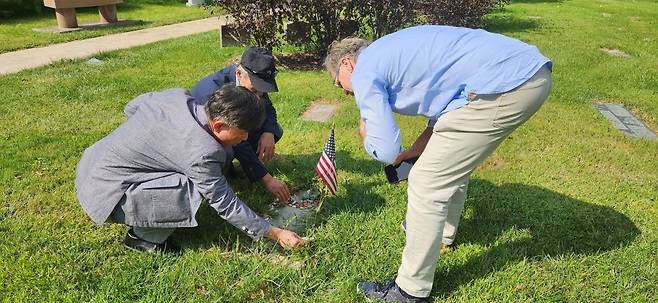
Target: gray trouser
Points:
(153, 234)
(460, 141)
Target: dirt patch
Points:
(494, 162)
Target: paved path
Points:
(29, 58)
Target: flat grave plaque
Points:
(624, 121)
(320, 112)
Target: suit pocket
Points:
(169, 198)
(160, 200)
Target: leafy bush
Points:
(379, 18)
(260, 19)
(466, 13)
(329, 20)
(20, 7)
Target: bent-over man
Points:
(152, 172)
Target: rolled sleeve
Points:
(207, 176)
(383, 139)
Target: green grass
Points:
(16, 33)
(564, 211)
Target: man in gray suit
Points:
(152, 172)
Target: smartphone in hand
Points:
(399, 172)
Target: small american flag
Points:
(326, 167)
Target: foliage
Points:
(386, 16)
(260, 19)
(20, 7)
(329, 20)
(467, 13)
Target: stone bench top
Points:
(78, 3)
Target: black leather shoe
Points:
(134, 242)
(387, 292)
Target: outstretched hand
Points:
(286, 238)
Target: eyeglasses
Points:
(336, 82)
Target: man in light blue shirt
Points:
(474, 87)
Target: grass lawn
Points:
(16, 33)
(565, 210)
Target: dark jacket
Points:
(245, 152)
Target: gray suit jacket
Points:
(158, 165)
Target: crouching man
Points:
(152, 172)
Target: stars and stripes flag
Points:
(326, 167)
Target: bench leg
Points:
(66, 18)
(108, 13)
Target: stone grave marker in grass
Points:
(624, 121)
(615, 52)
(295, 214)
(320, 112)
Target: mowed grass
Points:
(564, 211)
(16, 33)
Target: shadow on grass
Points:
(507, 23)
(355, 196)
(517, 221)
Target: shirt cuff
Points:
(257, 229)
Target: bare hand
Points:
(287, 239)
(407, 154)
(362, 129)
(278, 189)
(265, 150)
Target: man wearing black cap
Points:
(256, 72)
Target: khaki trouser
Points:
(460, 141)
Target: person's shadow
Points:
(517, 221)
(301, 175)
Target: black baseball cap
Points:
(259, 64)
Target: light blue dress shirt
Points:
(430, 70)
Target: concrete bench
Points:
(65, 11)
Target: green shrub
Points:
(467, 13)
(10, 8)
(329, 20)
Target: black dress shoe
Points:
(387, 292)
(134, 242)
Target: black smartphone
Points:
(399, 172)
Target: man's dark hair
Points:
(237, 107)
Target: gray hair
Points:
(237, 107)
(347, 48)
